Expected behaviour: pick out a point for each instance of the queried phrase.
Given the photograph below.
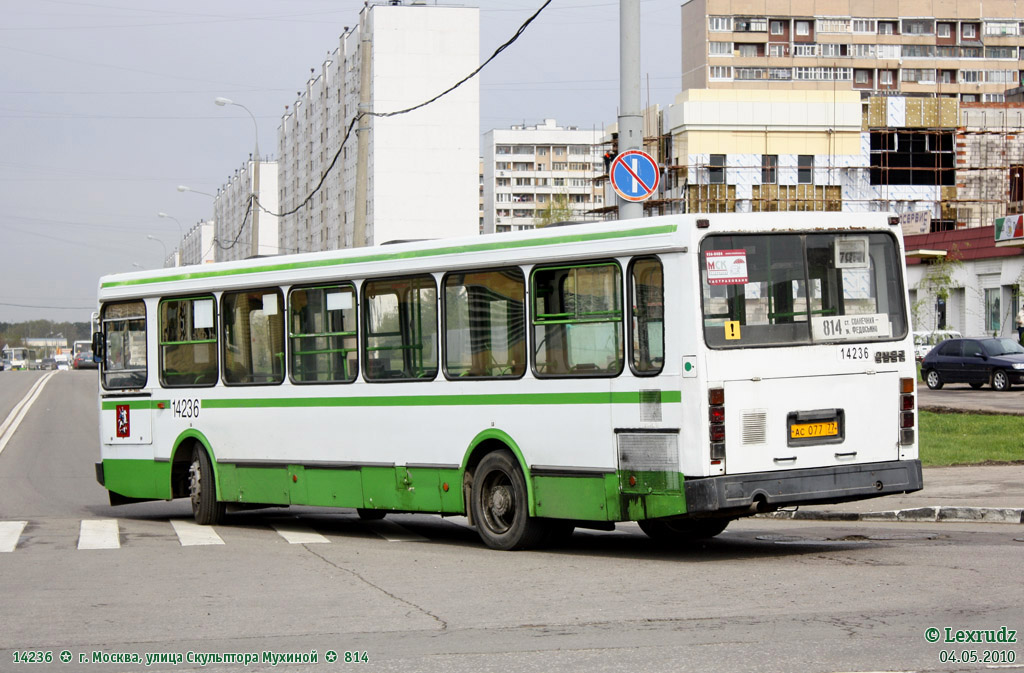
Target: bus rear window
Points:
(784, 289)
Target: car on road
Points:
(84, 360)
(48, 363)
(998, 361)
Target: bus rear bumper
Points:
(766, 491)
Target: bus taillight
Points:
(716, 423)
(906, 411)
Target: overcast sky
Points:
(106, 106)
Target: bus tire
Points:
(370, 514)
(682, 530)
(202, 490)
(500, 505)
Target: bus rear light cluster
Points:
(907, 411)
(716, 423)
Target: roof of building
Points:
(961, 244)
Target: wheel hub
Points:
(501, 501)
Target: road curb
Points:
(928, 514)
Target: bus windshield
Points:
(788, 289)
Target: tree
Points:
(556, 210)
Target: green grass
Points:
(969, 439)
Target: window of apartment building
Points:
(524, 182)
(559, 165)
(835, 50)
(750, 25)
(778, 49)
(805, 169)
(522, 149)
(888, 51)
(1001, 76)
(720, 72)
(943, 29)
(751, 73)
(541, 182)
(1016, 188)
(769, 169)
(780, 73)
(503, 182)
(720, 24)
(992, 309)
(716, 171)
(747, 50)
(887, 28)
(833, 25)
(558, 182)
(970, 76)
(501, 197)
(1001, 52)
(580, 198)
(503, 149)
(720, 48)
(1002, 28)
(579, 166)
(863, 51)
(918, 51)
(993, 98)
(522, 166)
(947, 76)
(777, 28)
(971, 52)
(918, 75)
(578, 182)
(803, 28)
(969, 98)
(579, 149)
(502, 165)
(805, 50)
(969, 31)
(862, 76)
(947, 52)
(864, 26)
(542, 151)
(918, 26)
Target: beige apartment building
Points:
(968, 49)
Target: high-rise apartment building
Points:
(418, 176)
(233, 214)
(533, 172)
(969, 49)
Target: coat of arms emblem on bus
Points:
(123, 423)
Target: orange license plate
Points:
(810, 430)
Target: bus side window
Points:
(647, 328)
(253, 337)
(124, 336)
(322, 334)
(577, 320)
(188, 342)
(400, 323)
(485, 326)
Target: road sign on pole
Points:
(635, 175)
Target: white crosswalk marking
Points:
(99, 534)
(392, 532)
(191, 534)
(296, 534)
(10, 533)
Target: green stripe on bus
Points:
(502, 399)
(134, 405)
(412, 254)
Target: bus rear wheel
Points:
(682, 530)
(202, 490)
(500, 507)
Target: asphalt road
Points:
(420, 593)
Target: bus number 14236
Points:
(853, 353)
(187, 408)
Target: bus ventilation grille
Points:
(755, 426)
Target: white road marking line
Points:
(296, 534)
(10, 533)
(99, 534)
(13, 420)
(392, 532)
(191, 534)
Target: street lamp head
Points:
(162, 215)
(183, 188)
(152, 237)
(220, 100)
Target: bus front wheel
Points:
(500, 507)
(202, 490)
(682, 530)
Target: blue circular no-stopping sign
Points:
(635, 175)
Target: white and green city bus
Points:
(680, 372)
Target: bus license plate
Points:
(809, 430)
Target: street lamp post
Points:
(255, 238)
(181, 233)
(163, 245)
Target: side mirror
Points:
(97, 346)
